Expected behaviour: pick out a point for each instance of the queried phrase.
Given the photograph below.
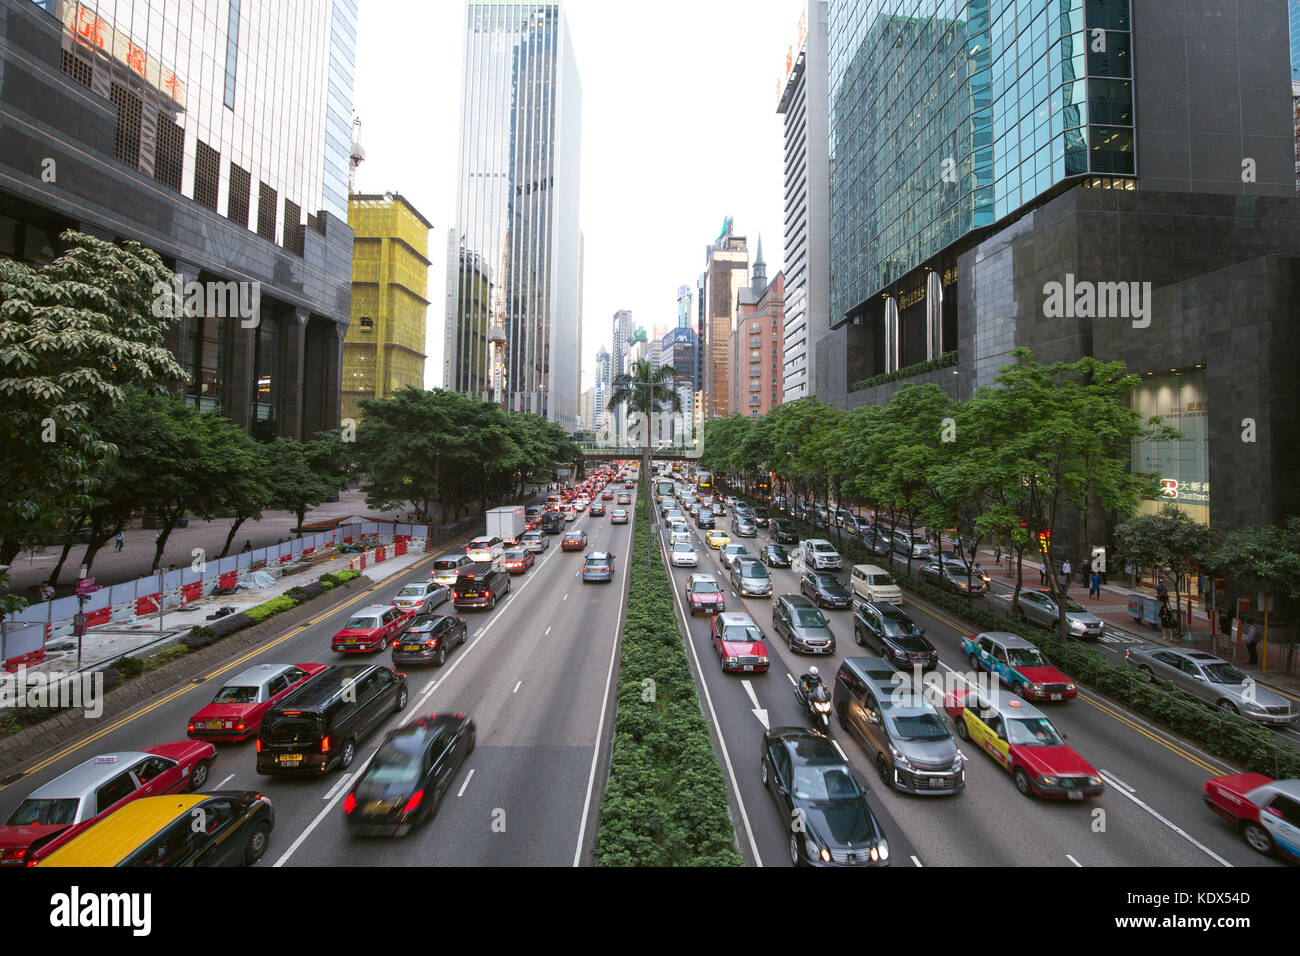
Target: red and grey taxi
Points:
(1020, 738)
(1265, 811)
(704, 595)
(739, 642)
(96, 788)
(518, 560)
(372, 629)
(236, 711)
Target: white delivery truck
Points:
(506, 524)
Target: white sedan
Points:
(683, 555)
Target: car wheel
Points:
(1257, 837)
(974, 660)
(257, 843)
(441, 658)
(1147, 673)
(1020, 690)
(857, 636)
(492, 603)
(1022, 782)
(796, 856)
(349, 751)
(1228, 707)
(882, 768)
(199, 775)
(763, 768)
(959, 725)
(400, 703)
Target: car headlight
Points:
(1077, 626)
(958, 762)
(1036, 688)
(900, 759)
(962, 586)
(1095, 781)
(1049, 781)
(880, 851)
(1070, 687)
(1255, 706)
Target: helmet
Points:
(813, 670)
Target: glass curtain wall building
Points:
(514, 258)
(215, 132)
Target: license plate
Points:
(470, 594)
(411, 647)
(748, 667)
(937, 783)
(350, 640)
(1075, 796)
(289, 758)
(1056, 697)
(216, 724)
(374, 806)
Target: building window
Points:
(169, 154)
(293, 230)
(232, 53)
(203, 390)
(755, 329)
(755, 372)
(266, 212)
(126, 138)
(207, 173)
(755, 356)
(266, 357)
(75, 67)
(241, 185)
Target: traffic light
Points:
(1044, 541)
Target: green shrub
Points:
(165, 656)
(259, 613)
(129, 667)
(339, 577)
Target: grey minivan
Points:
(903, 732)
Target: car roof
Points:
(324, 686)
(796, 600)
(122, 833)
(88, 775)
(1290, 788)
(1006, 639)
(880, 674)
(257, 674)
(814, 542)
(869, 569)
(808, 744)
(598, 556)
(1012, 705)
(698, 578)
(372, 609)
(737, 617)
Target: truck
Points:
(506, 523)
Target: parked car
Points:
(820, 555)
(97, 787)
(1019, 664)
(825, 589)
(915, 544)
(804, 626)
(481, 585)
(739, 642)
(704, 595)
(237, 709)
(371, 629)
(750, 578)
(887, 628)
(813, 785)
(774, 556)
(599, 566)
(421, 597)
(1040, 608)
(1265, 811)
(1214, 681)
(1021, 740)
(683, 555)
(429, 639)
(729, 552)
(874, 585)
(903, 732)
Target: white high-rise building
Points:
(807, 204)
(514, 256)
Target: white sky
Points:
(679, 129)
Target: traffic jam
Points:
(313, 718)
(972, 717)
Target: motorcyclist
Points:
(810, 682)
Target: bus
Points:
(664, 488)
(704, 481)
(763, 489)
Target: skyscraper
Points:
(726, 271)
(683, 306)
(602, 388)
(517, 213)
(807, 214)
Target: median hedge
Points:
(665, 803)
(1255, 748)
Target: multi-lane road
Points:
(1151, 813)
(534, 674)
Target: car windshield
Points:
(1026, 657)
(445, 564)
(361, 623)
(1032, 732)
(925, 725)
(44, 813)
(514, 555)
(412, 590)
(704, 587)
(479, 543)
(829, 581)
(1072, 605)
(741, 632)
(393, 768)
(683, 546)
(1224, 673)
(752, 569)
(235, 694)
(824, 548)
(423, 621)
(809, 617)
(900, 627)
(824, 783)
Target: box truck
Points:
(506, 523)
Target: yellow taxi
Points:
(716, 539)
(225, 828)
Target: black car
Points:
(888, 629)
(429, 638)
(825, 588)
(705, 520)
(762, 516)
(816, 793)
(774, 556)
(318, 726)
(783, 532)
(412, 770)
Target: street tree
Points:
(645, 389)
(1170, 543)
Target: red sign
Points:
(87, 586)
(1169, 487)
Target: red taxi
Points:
(1264, 810)
(739, 642)
(372, 629)
(236, 712)
(517, 560)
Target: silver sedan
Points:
(1212, 680)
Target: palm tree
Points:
(644, 390)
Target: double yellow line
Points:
(1109, 710)
(225, 668)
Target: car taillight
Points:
(190, 728)
(259, 744)
(240, 726)
(13, 854)
(325, 744)
(413, 802)
(349, 803)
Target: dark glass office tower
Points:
(215, 132)
(512, 283)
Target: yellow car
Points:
(716, 539)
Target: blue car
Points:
(599, 566)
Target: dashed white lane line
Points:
(565, 598)
(1073, 860)
(1169, 823)
(343, 782)
(917, 862)
(840, 749)
(790, 677)
(548, 631)
(517, 686)
(224, 782)
(1118, 781)
(461, 792)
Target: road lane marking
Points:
(758, 711)
(1119, 782)
(224, 782)
(517, 686)
(916, 861)
(343, 782)
(840, 749)
(1169, 823)
(548, 631)
(790, 677)
(461, 791)
(1073, 860)
(565, 598)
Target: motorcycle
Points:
(817, 704)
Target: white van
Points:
(874, 585)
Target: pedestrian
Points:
(47, 591)
(1094, 585)
(1161, 594)
(1252, 638)
(248, 545)
(1042, 573)
(1065, 575)
(997, 554)
(1166, 622)
(119, 540)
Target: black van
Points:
(480, 585)
(552, 522)
(318, 726)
